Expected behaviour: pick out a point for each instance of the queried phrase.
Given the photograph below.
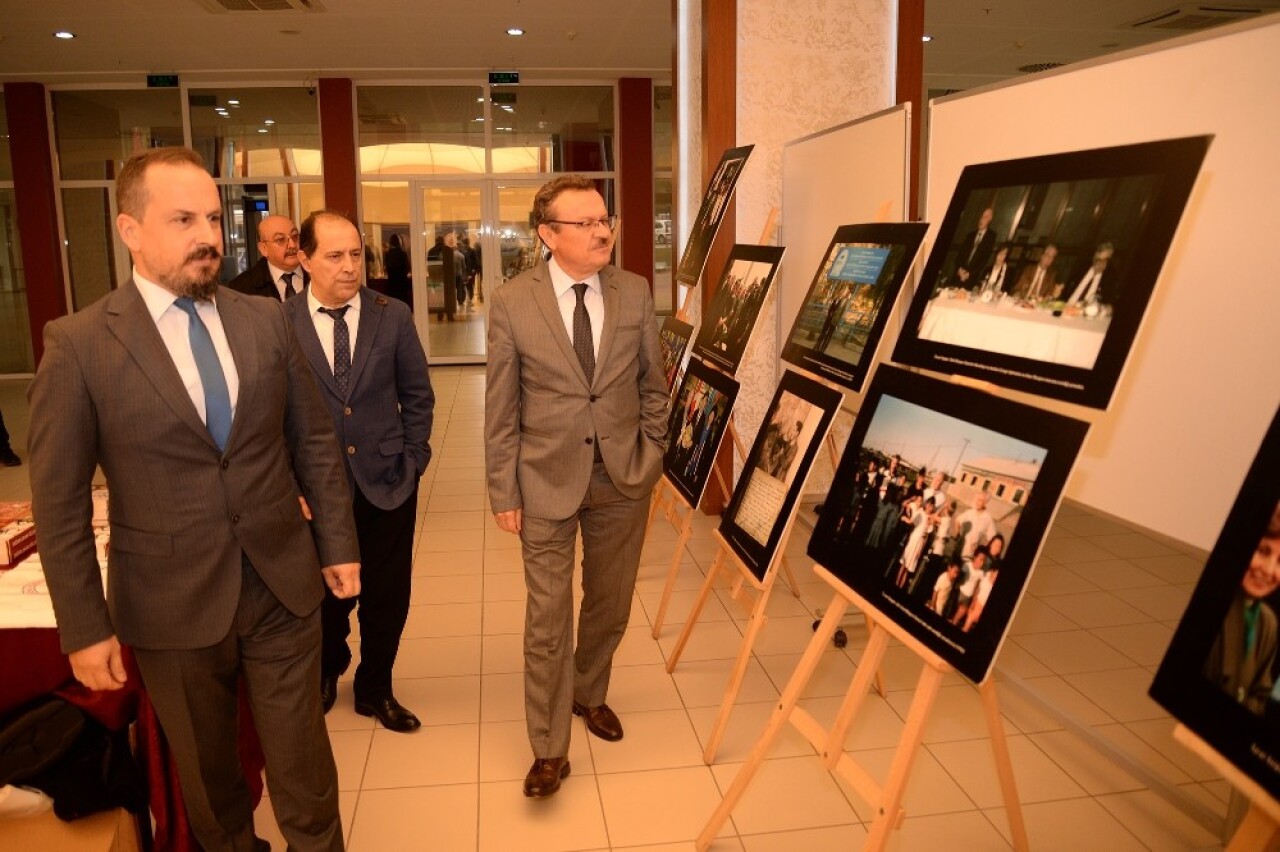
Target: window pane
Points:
(94, 253)
(428, 130)
(664, 114)
(15, 329)
(256, 132)
(6, 165)
(538, 129)
(97, 131)
(662, 233)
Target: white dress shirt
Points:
(174, 326)
(324, 325)
(1085, 289)
(276, 272)
(562, 285)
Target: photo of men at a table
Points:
(924, 510)
(1037, 270)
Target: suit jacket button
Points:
(351, 451)
(594, 397)
(347, 411)
(235, 519)
(589, 441)
(225, 464)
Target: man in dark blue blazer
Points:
(372, 372)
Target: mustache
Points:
(204, 253)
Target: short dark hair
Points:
(131, 183)
(552, 189)
(307, 233)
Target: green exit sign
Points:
(504, 78)
(162, 81)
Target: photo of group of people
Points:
(673, 337)
(699, 420)
(937, 488)
(735, 308)
(1221, 674)
(1043, 267)
(710, 214)
(776, 468)
(845, 311)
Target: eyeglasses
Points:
(610, 222)
(282, 241)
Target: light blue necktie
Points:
(217, 399)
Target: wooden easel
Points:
(1261, 826)
(886, 799)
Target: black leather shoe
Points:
(260, 845)
(8, 458)
(600, 720)
(545, 776)
(328, 691)
(390, 713)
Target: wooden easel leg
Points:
(852, 703)
(707, 585)
(879, 675)
(1257, 831)
(895, 786)
(777, 722)
(739, 673)
(1004, 765)
(789, 577)
(686, 530)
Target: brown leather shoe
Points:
(545, 776)
(600, 720)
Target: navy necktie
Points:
(217, 399)
(341, 347)
(287, 279)
(582, 341)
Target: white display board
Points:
(1203, 379)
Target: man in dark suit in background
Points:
(975, 251)
(372, 372)
(276, 275)
(1090, 286)
(201, 410)
(575, 428)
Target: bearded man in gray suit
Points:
(197, 403)
(575, 425)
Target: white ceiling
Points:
(975, 41)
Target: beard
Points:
(201, 284)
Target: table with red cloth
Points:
(34, 665)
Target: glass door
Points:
(447, 225)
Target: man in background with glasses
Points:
(278, 274)
(575, 426)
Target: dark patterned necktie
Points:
(341, 347)
(217, 399)
(582, 341)
(287, 279)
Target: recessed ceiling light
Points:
(262, 130)
(515, 31)
(268, 121)
(64, 34)
(926, 38)
(233, 102)
(478, 118)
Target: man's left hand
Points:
(343, 580)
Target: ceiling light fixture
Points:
(926, 38)
(515, 31)
(233, 102)
(268, 121)
(262, 130)
(64, 34)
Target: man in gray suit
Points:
(201, 410)
(575, 424)
(372, 372)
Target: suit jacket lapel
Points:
(545, 298)
(609, 287)
(371, 310)
(243, 343)
(130, 322)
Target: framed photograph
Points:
(848, 304)
(707, 224)
(729, 321)
(1220, 673)
(674, 338)
(776, 469)
(1043, 267)
(939, 506)
(698, 423)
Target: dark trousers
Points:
(195, 693)
(386, 576)
(4, 434)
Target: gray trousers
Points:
(195, 696)
(555, 672)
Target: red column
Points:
(338, 145)
(35, 195)
(910, 85)
(635, 174)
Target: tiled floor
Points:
(1101, 606)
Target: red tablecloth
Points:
(38, 666)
